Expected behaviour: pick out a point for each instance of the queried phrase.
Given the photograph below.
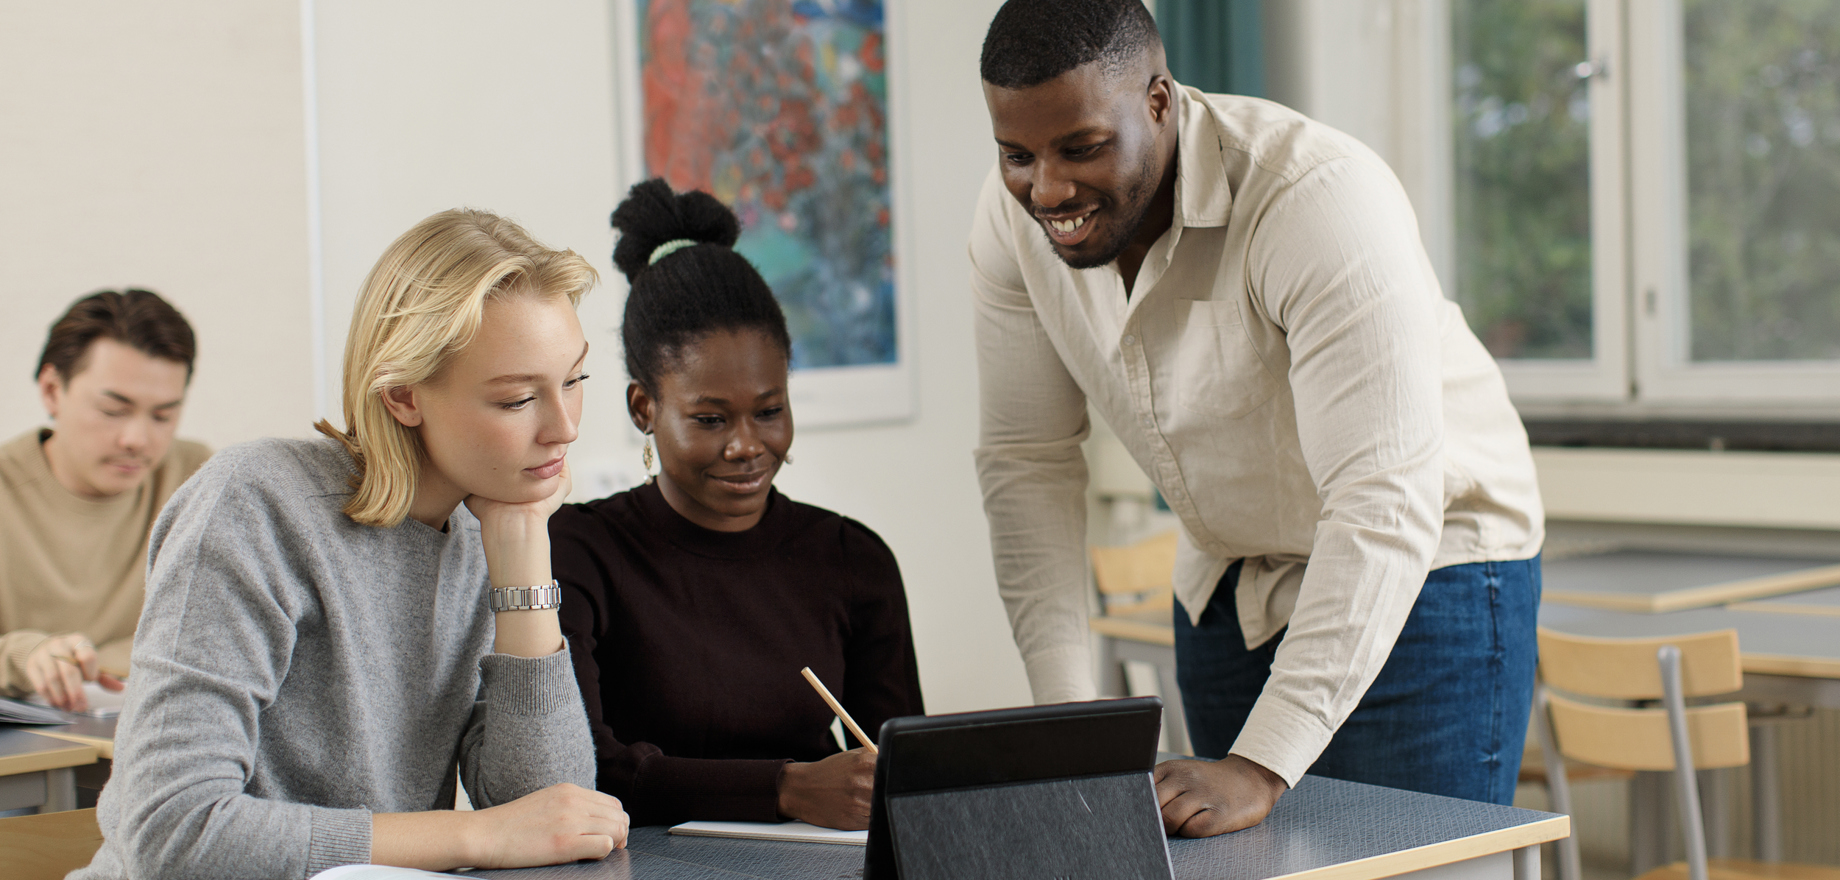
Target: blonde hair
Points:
(421, 305)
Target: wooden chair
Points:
(1137, 578)
(49, 845)
(1136, 598)
(1613, 726)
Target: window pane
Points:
(1763, 170)
(1523, 218)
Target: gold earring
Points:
(647, 458)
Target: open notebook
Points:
(794, 831)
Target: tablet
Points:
(1050, 792)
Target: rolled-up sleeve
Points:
(1338, 265)
(1030, 466)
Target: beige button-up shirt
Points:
(1290, 376)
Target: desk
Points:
(98, 732)
(1818, 602)
(35, 771)
(1787, 658)
(1324, 829)
(1656, 581)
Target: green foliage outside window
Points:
(1522, 155)
(1763, 160)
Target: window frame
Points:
(1640, 292)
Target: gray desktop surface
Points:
(1321, 823)
(1646, 572)
(1827, 597)
(1759, 632)
(16, 741)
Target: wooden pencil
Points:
(838, 708)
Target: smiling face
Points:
(498, 418)
(113, 419)
(722, 424)
(1088, 153)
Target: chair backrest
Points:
(49, 845)
(1137, 578)
(1627, 669)
(1146, 566)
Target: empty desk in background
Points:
(1324, 829)
(1787, 657)
(1658, 581)
(1818, 603)
(36, 771)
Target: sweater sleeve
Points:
(655, 788)
(528, 730)
(14, 647)
(214, 643)
(881, 678)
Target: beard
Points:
(1136, 205)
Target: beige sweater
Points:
(69, 563)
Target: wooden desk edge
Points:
(1787, 608)
(1777, 664)
(105, 747)
(1702, 597)
(1448, 852)
(75, 755)
(1134, 630)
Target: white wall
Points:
(159, 145)
(169, 146)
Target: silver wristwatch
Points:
(525, 598)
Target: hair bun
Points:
(652, 214)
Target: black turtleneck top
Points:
(688, 642)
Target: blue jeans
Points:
(1447, 714)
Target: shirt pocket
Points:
(1216, 369)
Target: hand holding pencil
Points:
(834, 792)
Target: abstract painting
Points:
(780, 108)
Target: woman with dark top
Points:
(690, 603)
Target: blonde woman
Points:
(332, 625)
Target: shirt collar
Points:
(1203, 195)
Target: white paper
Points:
(795, 831)
(373, 872)
(103, 703)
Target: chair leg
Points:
(1686, 781)
(1175, 721)
(1558, 788)
(1112, 682)
(1766, 794)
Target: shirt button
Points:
(1129, 339)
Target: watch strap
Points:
(538, 598)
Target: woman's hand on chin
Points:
(496, 515)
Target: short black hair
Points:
(1033, 41)
(137, 318)
(677, 252)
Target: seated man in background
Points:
(77, 499)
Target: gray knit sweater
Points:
(295, 671)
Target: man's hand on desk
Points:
(832, 793)
(1205, 798)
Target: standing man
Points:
(77, 499)
(1241, 293)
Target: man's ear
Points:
(51, 388)
(403, 405)
(1161, 99)
(640, 406)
